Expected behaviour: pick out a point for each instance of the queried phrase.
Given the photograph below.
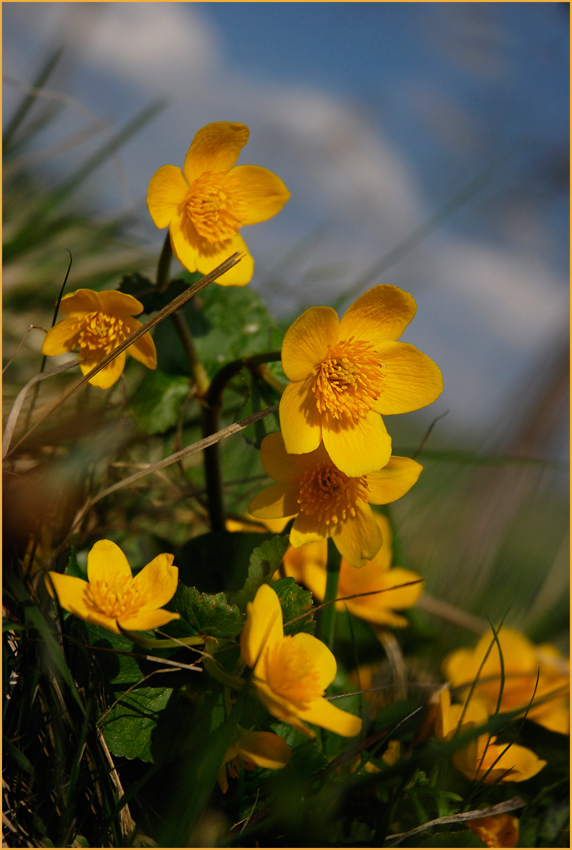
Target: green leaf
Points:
(226, 323)
(131, 722)
(264, 562)
(208, 614)
(157, 402)
(297, 606)
(217, 561)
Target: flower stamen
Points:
(120, 599)
(101, 332)
(329, 493)
(349, 380)
(215, 206)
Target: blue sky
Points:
(374, 114)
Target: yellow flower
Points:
(523, 662)
(97, 322)
(291, 672)
(253, 749)
(496, 830)
(344, 374)
(111, 597)
(482, 758)
(206, 203)
(308, 565)
(325, 501)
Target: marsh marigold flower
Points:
(325, 501)
(96, 323)
(253, 749)
(482, 758)
(496, 830)
(111, 597)
(308, 565)
(344, 374)
(291, 672)
(206, 203)
(531, 675)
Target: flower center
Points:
(215, 206)
(101, 332)
(119, 599)
(349, 380)
(291, 672)
(330, 494)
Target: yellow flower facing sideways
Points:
(531, 675)
(482, 758)
(253, 749)
(111, 597)
(291, 672)
(96, 323)
(496, 830)
(325, 501)
(308, 564)
(206, 203)
(344, 374)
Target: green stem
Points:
(211, 463)
(328, 626)
(195, 362)
(164, 265)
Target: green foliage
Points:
(157, 403)
(131, 723)
(264, 562)
(208, 614)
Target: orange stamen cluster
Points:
(120, 599)
(101, 332)
(291, 672)
(349, 380)
(330, 494)
(214, 205)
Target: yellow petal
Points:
(281, 708)
(378, 608)
(144, 349)
(166, 193)
(64, 336)
(358, 538)
(109, 375)
(307, 565)
(143, 621)
(520, 762)
(211, 255)
(393, 481)
(328, 716)
(215, 147)
(106, 562)
(380, 314)
(80, 301)
(275, 501)
(157, 582)
(119, 303)
(71, 592)
(306, 341)
(323, 659)
(308, 529)
(265, 193)
(357, 446)
(496, 831)
(285, 467)
(299, 418)
(264, 749)
(412, 380)
(184, 241)
(263, 624)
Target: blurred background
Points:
(425, 145)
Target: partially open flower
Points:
(206, 203)
(326, 502)
(97, 323)
(291, 672)
(344, 374)
(253, 749)
(483, 758)
(531, 674)
(308, 565)
(112, 597)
